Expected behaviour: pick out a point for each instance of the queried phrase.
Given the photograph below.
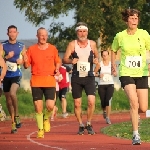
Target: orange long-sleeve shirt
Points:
(43, 64)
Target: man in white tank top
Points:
(84, 54)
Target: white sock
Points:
(88, 123)
(135, 132)
(81, 125)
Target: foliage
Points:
(102, 16)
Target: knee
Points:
(77, 104)
(13, 95)
(91, 103)
(143, 109)
(134, 105)
(50, 105)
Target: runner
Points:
(84, 53)
(105, 84)
(133, 70)
(13, 52)
(45, 62)
(63, 87)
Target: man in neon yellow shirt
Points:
(133, 70)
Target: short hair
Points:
(104, 51)
(10, 27)
(81, 24)
(129, 12)
(40, 29)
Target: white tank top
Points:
(84, 66)
(107, 78)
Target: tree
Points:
(102, 16)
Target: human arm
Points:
(69, 50)
(115, 47)
(95, 51)
(3, 68)
(20, 60)
(27, 58)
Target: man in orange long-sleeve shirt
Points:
(45, 62)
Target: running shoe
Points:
(13, 128)
(90, 129)
(17, 121)
(52, 118)
(40, 133)
(65, 115)
(108, 120)
(136, 140)
(81, 130)
(46, 125)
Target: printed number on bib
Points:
(107, 78)
(83, 66)
(11, 66)
(133, 61)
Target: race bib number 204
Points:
(133, 61)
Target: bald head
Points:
(42, 35)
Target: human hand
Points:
(95, 61)
(10, 54)
(19, 61)
(75, 60)
(101, 75)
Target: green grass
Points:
(124, 130)
(26, 108)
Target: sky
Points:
(9, 15)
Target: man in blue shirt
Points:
(13, 52)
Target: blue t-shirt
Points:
(17, 48)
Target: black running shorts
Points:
(48, 92)
(140, 82)
(80, 83)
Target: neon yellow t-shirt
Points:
(133, 52)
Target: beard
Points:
(82, 38)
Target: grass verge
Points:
(124, 130)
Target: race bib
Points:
(133, 61)
(83, 68)
(11, 66)
(107, 78)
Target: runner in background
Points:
(64, 87)
(105, 84)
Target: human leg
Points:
(90, 91)
(9, 103)
(108, 99)
(55, 109)
(101, 93)
(49, 93)
(13, 95)
(129, 85)
(62, 97)
(37, 95)
(76, 84)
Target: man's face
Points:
(12, 34)
(42, 36)
(82, 34)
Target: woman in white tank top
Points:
(105, 85)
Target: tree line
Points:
(103, 17)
